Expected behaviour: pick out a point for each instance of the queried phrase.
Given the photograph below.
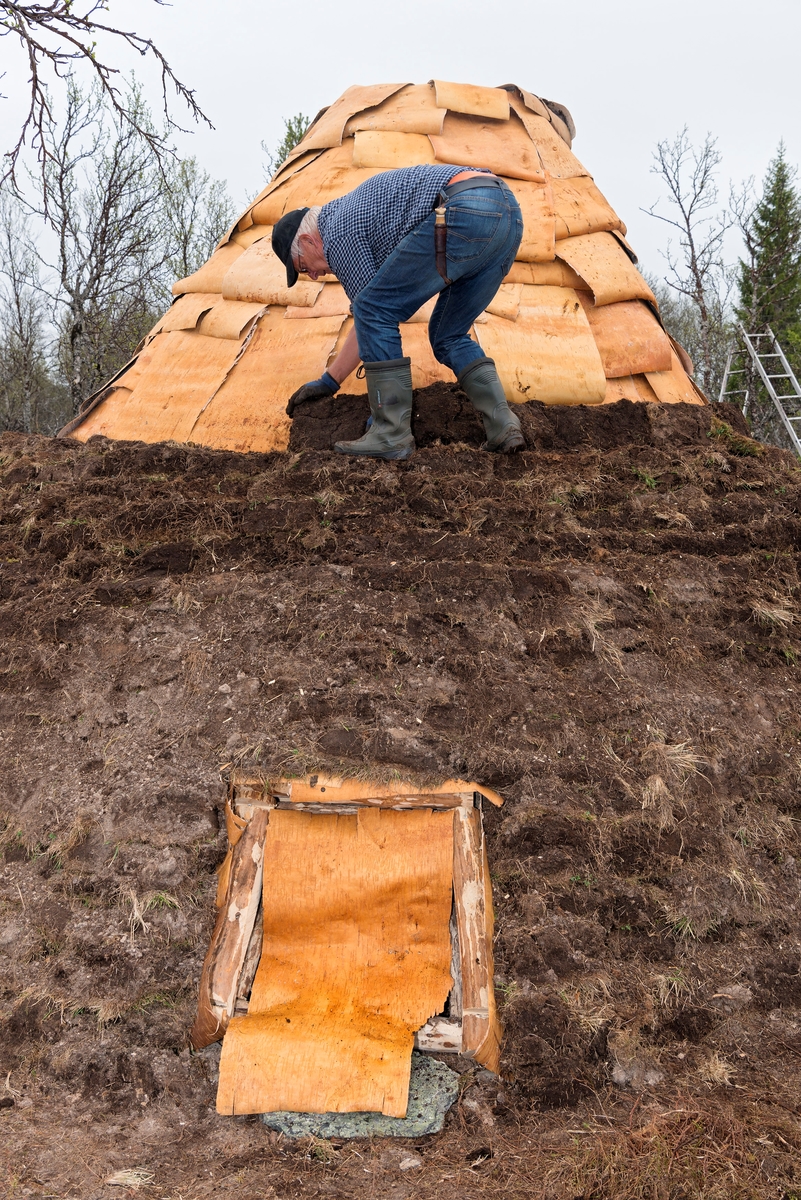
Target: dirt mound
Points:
(605, 627)
(443, 416)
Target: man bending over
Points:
(379, 241)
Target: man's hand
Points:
(318, 389)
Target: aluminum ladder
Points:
(766, 353)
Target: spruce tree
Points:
(769, 281)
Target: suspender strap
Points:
(462, 185)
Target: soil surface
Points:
(605, 627)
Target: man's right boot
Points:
(481, 383)
(389, 390)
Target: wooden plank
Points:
(440, 1036)
(224, 877)
(603, 264)
(505, 149)
(397, 803)
(251, 960)
(219, 980)
(481, 1032)
(548, 353)
(629, 338)
(355, 960)
(319, 788)
(487, 102)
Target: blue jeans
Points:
(484, 231)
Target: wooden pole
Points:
(219, 980)
(481, 1031)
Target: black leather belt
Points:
(462, 185)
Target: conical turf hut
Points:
(573, 323)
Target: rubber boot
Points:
(481, 383)
(389, 390)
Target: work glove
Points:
(318, 389)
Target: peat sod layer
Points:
(604, 627)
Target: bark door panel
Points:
(605, 267)
(248, 411)
(503, 148)
(356, 957)
(630, 340)
(184, 372)
(548, 353)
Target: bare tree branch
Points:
(56, 37)
(698, 272)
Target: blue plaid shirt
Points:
(360, 230)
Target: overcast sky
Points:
(631, 73)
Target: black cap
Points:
(283, 236)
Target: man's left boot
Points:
(389, 391)
(481, 383)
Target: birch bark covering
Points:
(572, 239)
(356, 957)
